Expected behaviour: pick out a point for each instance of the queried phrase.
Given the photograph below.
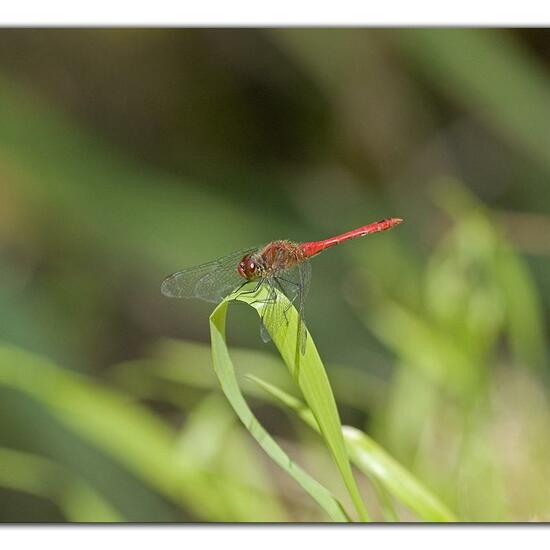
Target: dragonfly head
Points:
(249, 267)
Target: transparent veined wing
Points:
(294, 283)
(211, 281)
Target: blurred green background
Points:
(128, 154)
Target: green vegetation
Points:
(423, 392)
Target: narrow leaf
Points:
(226, 375)
(41, 477)
(374, 462)
(310, 376)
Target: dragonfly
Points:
(282, 266)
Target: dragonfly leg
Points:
(272, 296)
(254, 290)
(269, 300)
(293, 283)
(267, 312)
(291, 301)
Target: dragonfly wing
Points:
(216, 285)
(273, 314)
(305, 276)
(211, 281)
(294, 283)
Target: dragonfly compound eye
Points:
(242, 269)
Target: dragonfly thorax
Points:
(273, 259)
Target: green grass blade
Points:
(41, 477)
(226, 374)
(213, 436)
(310, 376)
(123, 430)
(506, 269)
(385, 501)
(162, 376)
(369, 457)
(374, 462)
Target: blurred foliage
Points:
(126, 154)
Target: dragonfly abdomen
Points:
(312, 248)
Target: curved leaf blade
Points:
(374, 462)
(310, 375)
(225, 372)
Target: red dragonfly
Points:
(281, 265)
